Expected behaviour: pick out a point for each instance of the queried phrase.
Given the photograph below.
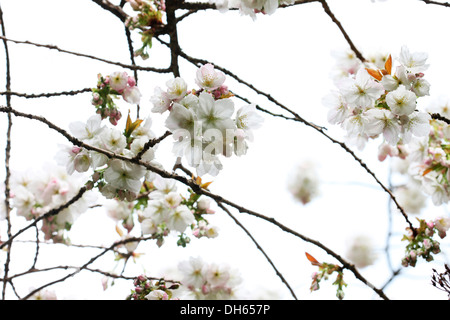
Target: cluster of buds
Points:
(148, 21)
(200, 207)
(110, 88)
(422, 243)
(325, 270)
(147, 289)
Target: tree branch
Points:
(197, 189)
(123, 65)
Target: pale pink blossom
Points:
(132, 95)
(362, 91)
(209, 78)
(401, 101)
(118, 81)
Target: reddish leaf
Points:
(375, 73)
(388, 65)
(311, 259)
(427, 171)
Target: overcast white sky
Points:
(287, 55)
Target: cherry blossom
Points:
(34, 196)
(362, 91)
(304, 183)
(209, 78)
(209, 281)
(203, 122)
(361, 251)
(124, 176)
(401, 101)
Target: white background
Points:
(287, 55)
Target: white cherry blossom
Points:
(381, 121)
(180, 218)
(124, 175)
(362, 91)
(176, 88)
(193, 271)
(209, 78)
(215, 114)
(338, 108)
(417, 124)
(118, 81)
(248, 118)
(414, 62)
(160, 100)
(87, 131)
(401, 101)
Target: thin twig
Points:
(45, 95)
(437, 116)
(123, 65)
(309, 124)
(197, 189)
(444, 4)
(150, 144)
(279, 274)
(341, 28)
(7, 153)
(116, 10)
(85, 266)
(50, 213)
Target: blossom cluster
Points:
(372, 102)
(167, 211)
(34, 195)
(147, 289)
(110, 88)
(422, 244)
(251, 7)
(410, 196)
(43, 294)
(162, 210)
(113, 177)
(138, 196)
(431, 162)
(426, 160)
(209, 281)
(148, 20)
(325, 270)
(202, 121)
(304, 183)
(361, 252)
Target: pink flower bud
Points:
(205, 289)
(196, 233)
(76, 149)
(131, 81)
(113, 121)
(427, 243)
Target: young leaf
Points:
(131, 126)
(375, 73)
(388, 65)
(311, 259)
